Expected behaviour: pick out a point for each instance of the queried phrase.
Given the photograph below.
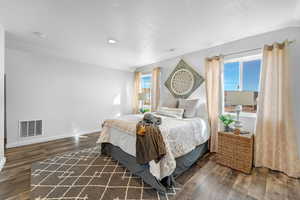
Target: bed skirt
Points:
(183, 163)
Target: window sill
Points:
(242, 114)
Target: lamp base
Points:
(238, 125)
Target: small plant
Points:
(226, 120)
(144, 110)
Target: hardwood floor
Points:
(15, 177)
(215, 182)
(207, 180)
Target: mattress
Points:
(181, 136)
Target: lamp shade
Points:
(239, 98)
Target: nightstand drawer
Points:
(235, 151)
(243, 156)
(226, 150)
(243, 166)
(224, 160)
(226, 156)
(243, 150)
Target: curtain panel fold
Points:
(214, 91)
(136, 91)
(275, 137)
(155, 89)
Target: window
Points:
(146, 89)
(242, 74)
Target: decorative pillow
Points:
(202, 111)
(170, 112)
(190, 107)
(169, 102)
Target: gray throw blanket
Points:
(151, 119)
(149, 141)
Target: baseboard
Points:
(2, 163)
(45, 139)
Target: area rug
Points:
(87, 175)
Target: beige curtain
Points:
(213, 71)
(275, 140)
(155, 89)
(136, 91)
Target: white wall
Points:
(71, 98)
(196, 59)
(2, 47)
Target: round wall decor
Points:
(183, 81)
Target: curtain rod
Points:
(249, 50)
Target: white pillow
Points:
(170, 112)
(202, 111)
(169, 102)
(190, 107)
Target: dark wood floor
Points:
(206, 179)
(215, 182)
(15, 177)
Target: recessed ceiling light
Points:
(111, 41)
(172, 49)
(40, 34)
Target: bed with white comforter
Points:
(181, 136)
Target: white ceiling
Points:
(145, 29)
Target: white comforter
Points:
(180, 136)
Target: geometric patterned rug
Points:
(87, 175)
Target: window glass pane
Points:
(249, 82)
(251, 73)
(231, 82)
(146, 81)
(146, 89)
(231, 76)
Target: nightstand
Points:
(235, 151)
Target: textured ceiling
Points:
(145, 29)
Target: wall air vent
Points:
(30, 128)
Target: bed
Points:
(185, 141)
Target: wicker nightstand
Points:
(235, 151)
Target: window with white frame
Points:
(146, 80)
(242, 74)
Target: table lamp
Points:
(238, 99)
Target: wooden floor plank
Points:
(257, 187)
(276, 187)
(240, 188)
